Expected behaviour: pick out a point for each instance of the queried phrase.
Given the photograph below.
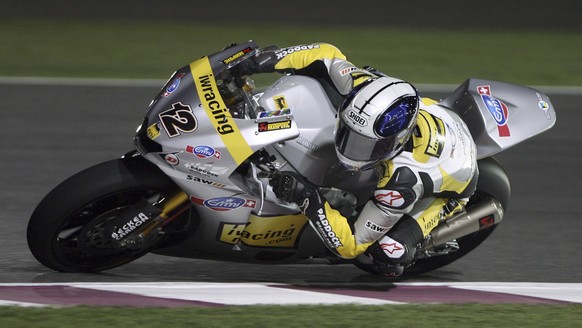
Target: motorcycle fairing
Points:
(500, 115)
(217, 111)
(192, 106)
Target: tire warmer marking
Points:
(212, 102)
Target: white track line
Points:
(270, 293)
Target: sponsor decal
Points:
(307, 144)
(391, 247)
(171, 159)
(326, 231)
(496, 108)
(430, 223)
(273, 126)
(204, 181)
(222, 204)
(217, 111)
(178, 119)
(206, 169)
(174, 85)
(278, 231)
(357, 118)
(544, 105)
(348, 70)
(486, 222)
(274, 113)
(436, 136)
(390, 198)
(462, 135)
(280, 102)
(239, 54)
(374, 227)
(153, 131)
(281, 53)
(453, 138)
(203, 151)
(130, 226)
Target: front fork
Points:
(155, 217)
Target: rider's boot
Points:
(396, 250)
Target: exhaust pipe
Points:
(481, 216)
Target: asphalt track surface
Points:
(49, 132)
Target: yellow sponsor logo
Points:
(430, 218)
(279, 231)
(429, 224)
(217, 111)
(272, 126)
(153, 131)
(280, 102)
(237, 55)
(436, 137)
(430, 142)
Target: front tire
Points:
(64, 232)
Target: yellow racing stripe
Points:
(217, 111)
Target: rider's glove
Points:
(292, 187)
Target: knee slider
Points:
(399, 245)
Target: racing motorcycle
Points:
(196, 185)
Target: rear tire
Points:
(92, 197)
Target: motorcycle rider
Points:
(424, 154)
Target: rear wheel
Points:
(466, 244)
(70, 230)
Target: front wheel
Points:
(68, 229)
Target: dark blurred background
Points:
(494, 14)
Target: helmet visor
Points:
(397, 118)
(357, 147)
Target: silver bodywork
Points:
(500, 115)
(292, 121)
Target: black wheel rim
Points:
(97, 251)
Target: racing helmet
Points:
(375, 121)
